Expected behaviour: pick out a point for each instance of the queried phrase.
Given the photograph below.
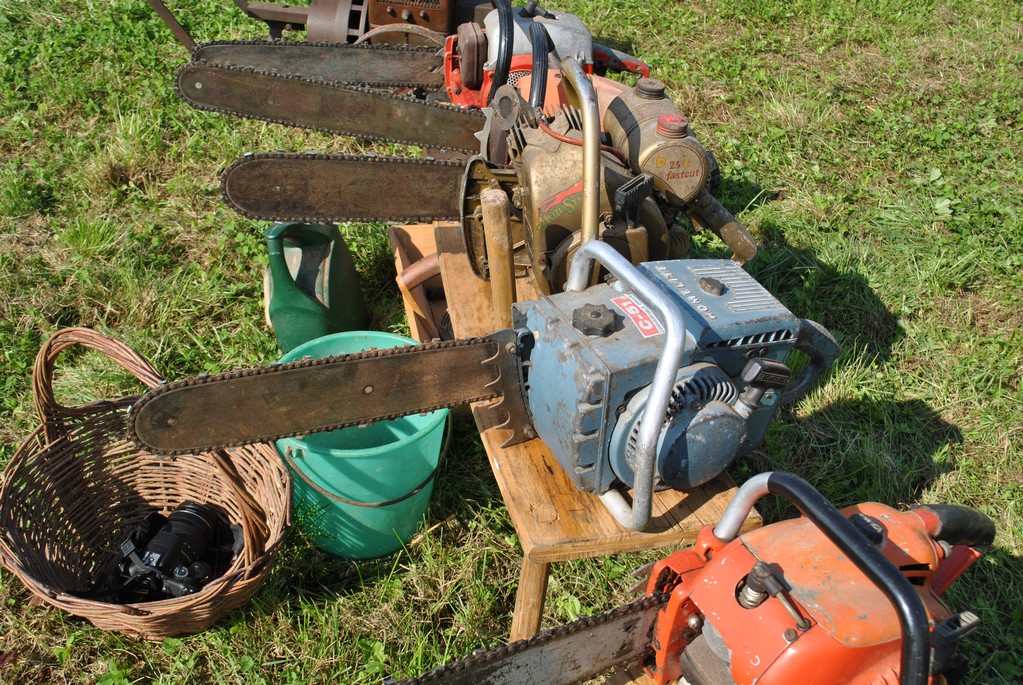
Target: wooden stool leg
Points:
(529, 599)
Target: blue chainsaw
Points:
(659, 377)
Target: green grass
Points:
(874, 149)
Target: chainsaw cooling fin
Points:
(590, 359)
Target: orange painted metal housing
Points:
(520, 74)
(854, 635)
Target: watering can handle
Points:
(816, 342)
(306, 235)
(326, 273)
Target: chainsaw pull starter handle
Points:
(916, 648)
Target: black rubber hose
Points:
(962, 525)
(916, 651)
(541, 50)
(505, 45)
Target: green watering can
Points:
(311, 286)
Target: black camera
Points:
(176, 555)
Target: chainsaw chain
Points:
(480, 658)
(202, 379)
(469, 112)
(326, 44)
(366, 159)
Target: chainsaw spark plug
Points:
(754, 590)
(760, 584)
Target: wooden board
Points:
(471, 308)
(555, 521)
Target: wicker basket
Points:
(77, 488)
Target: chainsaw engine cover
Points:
(552, 204)
(593, 358)
(566, 31)
(853, 632)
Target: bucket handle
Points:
(338, 498)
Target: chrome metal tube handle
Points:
(637, 516)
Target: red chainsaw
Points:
(849, 597)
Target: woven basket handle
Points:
(52, 413)
(55, 416)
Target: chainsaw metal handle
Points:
(637, 516)
(816, 342)
(575, 77)
(916, 651)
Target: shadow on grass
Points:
(875, 447)
(740, 195)
(856, 451)
(840, 300)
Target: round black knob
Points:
(594, 319)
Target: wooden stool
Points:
(553, 519)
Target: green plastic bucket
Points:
(361, 492)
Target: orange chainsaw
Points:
(849, 597)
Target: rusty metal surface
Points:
(472, 49)
(437, 15)
(332, 188)
(268, 403)
(564, 655)
(509, 412)
(366, 65)
(295, 15)
(326, 106)
(479, 176)
(335, 20)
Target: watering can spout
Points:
(311, 287)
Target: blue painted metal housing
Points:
(580, 386)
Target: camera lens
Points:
(189, 532)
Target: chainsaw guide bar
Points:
(564, 655)
(385, 66)
(314, 188)
(327, 106)
(283, 400)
